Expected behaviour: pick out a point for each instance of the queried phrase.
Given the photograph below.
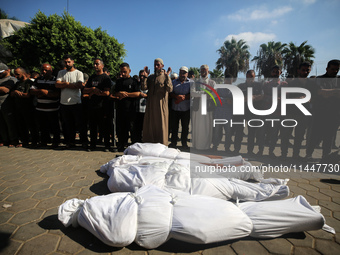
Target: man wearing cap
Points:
(8, 134)
(202, 125)
(155, 127)
(180, 104)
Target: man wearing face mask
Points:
(156, 120)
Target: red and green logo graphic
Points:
(209, 93)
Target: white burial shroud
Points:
(151, 216)
(170, 169)
(158, 200)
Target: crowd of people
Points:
(36, 111)
(315, 120)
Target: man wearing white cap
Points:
(202, 126)
(155, 127)
(180, 97)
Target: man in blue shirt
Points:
(181, 107)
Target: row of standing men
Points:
(40, 100)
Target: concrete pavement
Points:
(34, 182)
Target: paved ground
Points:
(33, 183)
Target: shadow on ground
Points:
(90, 242)
(100, 188)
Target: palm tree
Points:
(270, 54)
(217, 75)
(234, 56)
(294, 55)
(196, 71)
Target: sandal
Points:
(11, 146)
(18, 145)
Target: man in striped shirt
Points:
(47, 108)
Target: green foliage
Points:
(270, 54)
(196, 71)
(295, 55)
(4, 15)
(234, 57)
(217, 75)
(48, 39)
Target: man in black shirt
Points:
(126, 90)
(257, 99)
(24, 108)
(98, 88)
(294, 113)
(326, 113)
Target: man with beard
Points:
(294, 113)
(326, 113)
(98, 89)
(70, 81)
(156, 120)
(181, 107)
(202, 125)
(24, 108)
(47, 108)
